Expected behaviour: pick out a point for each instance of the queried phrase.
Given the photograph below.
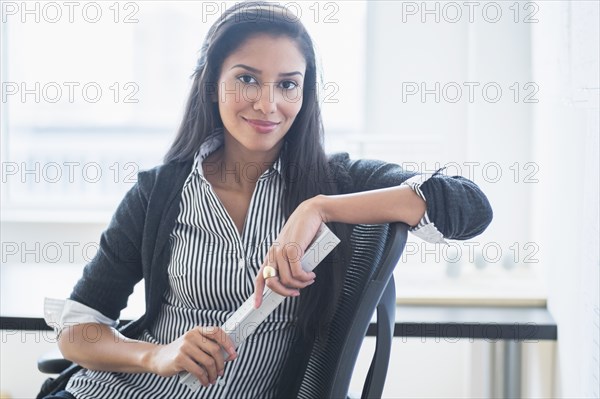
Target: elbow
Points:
(488, 215)
(69, 345)
(65, 343)
(479, 216)
(458, 207)
(482, 218)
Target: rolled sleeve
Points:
(425, 229)
(59, 314)
(457, 206)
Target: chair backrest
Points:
(376, 252)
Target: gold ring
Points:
(269, 271)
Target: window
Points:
(95, 91)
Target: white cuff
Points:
(429, 233)
(425, 229)
(60, 313)
(415, 183)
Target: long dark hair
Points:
(304, 163)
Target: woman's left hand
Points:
(286, 252)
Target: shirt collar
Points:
(215, 141)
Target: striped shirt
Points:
(211, 273)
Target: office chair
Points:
(326, 369)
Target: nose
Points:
(265, 101)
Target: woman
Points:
(244, 187)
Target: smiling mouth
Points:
(260, 122)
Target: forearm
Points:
(386, 205)
(99, 347)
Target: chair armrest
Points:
(53, 363)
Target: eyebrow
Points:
(259, 71)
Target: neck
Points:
(237, 168)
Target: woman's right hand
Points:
(198, 351)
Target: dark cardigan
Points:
(135, 244)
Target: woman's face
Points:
(260, 92)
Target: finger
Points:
(211, 351)
(287, 279)
(292, 253)
(284, 273)
(210, 365)
(196, 370)
(214, 351)
(274, 284)
(205, 346)
(259, 287)
(298, 273)
(220, 337)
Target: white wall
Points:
(406, 49)
(565, 218)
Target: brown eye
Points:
(288, 84)
(246, 79)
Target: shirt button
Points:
(241, 263)
(221, 383)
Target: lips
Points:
(260, 122)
